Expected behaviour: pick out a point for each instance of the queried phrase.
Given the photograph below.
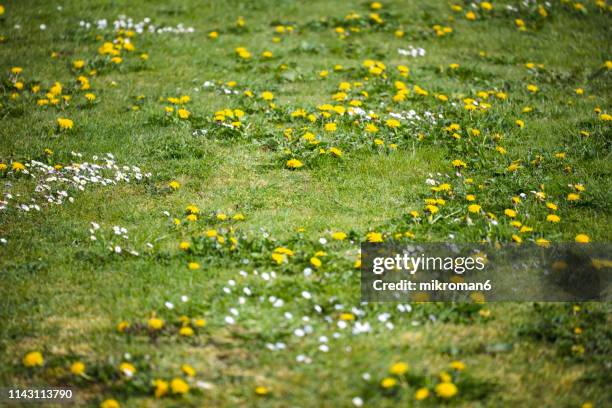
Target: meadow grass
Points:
(64, 295)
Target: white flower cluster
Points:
(213, 86)
(317, 331)
(116, 242)
(411, 51)
(369, 115)
(58, 185)
(413, 117)
(127, 23)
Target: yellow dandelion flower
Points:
(155, 323)
(161, 388)
(399, 368)
(542, 242)
(65, 124)
(184, 113)
(33, 359)
(122, 326)
(393, 123)
(510, 213)
(446, 390)
(186, 331)
(339, 236)
(77, 368)
(374, 237)
(188, 370)
(127, 369)
(330, 127)
(334, 151)
(582, 239)
(474, 208)
(421, 394)
(388, 382)
(267, 96)
(457, 365)
(179, 386)
(110, 403)
(294, 164)
(261, 390)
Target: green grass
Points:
(63, 294)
